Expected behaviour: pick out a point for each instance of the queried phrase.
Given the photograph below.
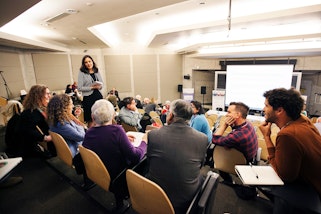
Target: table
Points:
(7, 165)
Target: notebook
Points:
(258, 175)
(138, 137)
(6, 165)
(97, 83)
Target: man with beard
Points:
(296, 155)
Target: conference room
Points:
(213, 51)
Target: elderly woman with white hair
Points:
(111, 143)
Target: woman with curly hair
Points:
(62, 121)
(33, 127)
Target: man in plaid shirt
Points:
(242, 137)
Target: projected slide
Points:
(247, 83)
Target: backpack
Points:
(12, 136)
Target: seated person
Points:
(243, 136)
(62, 121)
(145, 102)
(113, 99)
(198, 120)
(112, 145)
(128, 113)
(114, 92)
(296, 155)
(33, 127)
(175, 154)
(74, 86)
(68, 89)
(165, 111)
(152, 106)
(138, 101)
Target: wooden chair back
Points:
(62, 148)
(153, 114)
(264, 152)
(151, 127)
(158, 121)
(211, 119)
(141, 111)
(128, 128)
(146, 196)
(225, 159)
(95, 168)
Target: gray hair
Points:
(181, 109)
(102, 111)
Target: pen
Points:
(256, 175)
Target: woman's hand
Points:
(131, 138)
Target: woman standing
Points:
(87, 83)
(62, 121)
(33, 125)
(198, 120)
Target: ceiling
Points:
(200, 28)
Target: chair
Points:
(314, 119)
(207, 191)
(264, 152)
(146, 196)
(211, 119)
(95, 168)
(225, 159)
(128, 128)
(158, 121)
(153, 114)
(150, 127)
(62, 149)
(97, 172)
(141, 111)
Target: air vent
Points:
(61, 15)
(57, 17)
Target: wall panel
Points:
(145, 75)
(12, 74)
(170, 76)
(52, 70)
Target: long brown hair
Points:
(33, 99)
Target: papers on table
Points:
(6, 165)
(258, 175)
(138, 137)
